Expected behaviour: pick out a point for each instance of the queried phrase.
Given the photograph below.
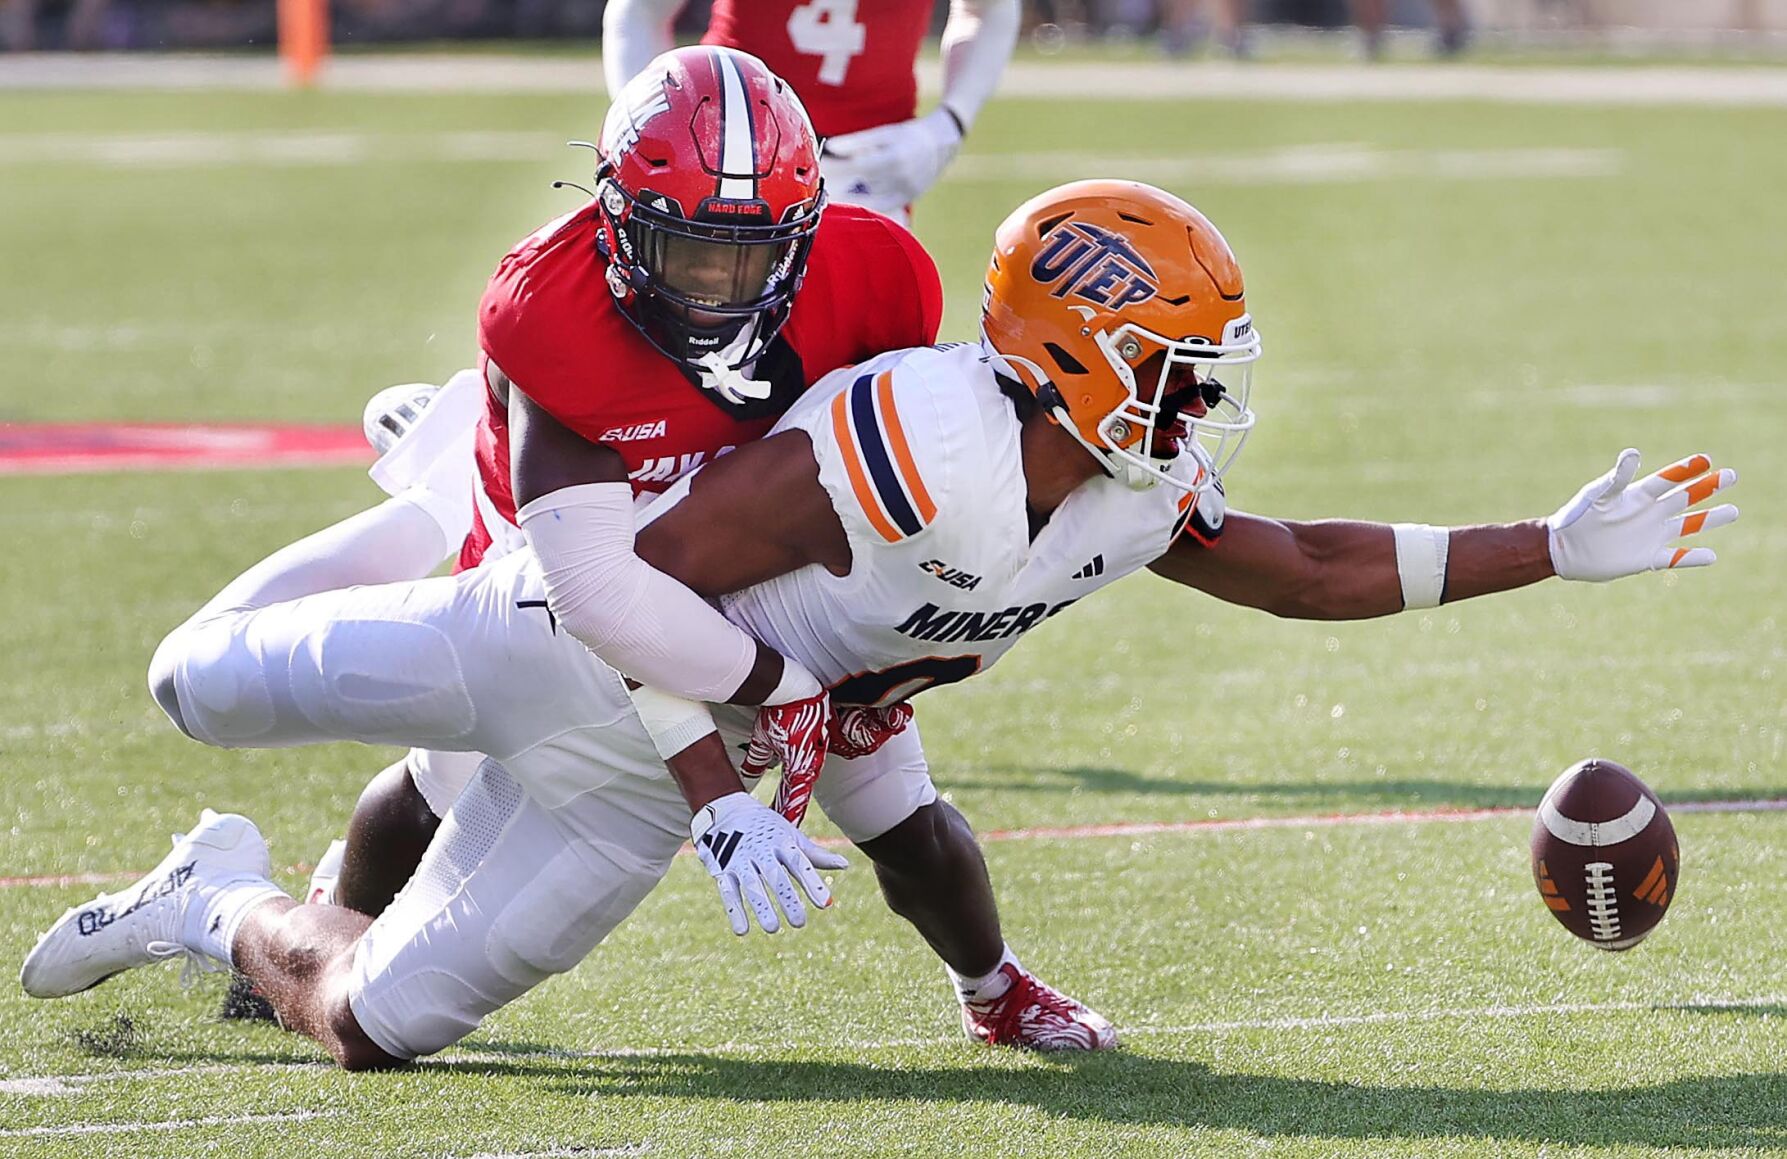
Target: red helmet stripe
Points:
(738, 155)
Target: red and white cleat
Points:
(1036, 1016)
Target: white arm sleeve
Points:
(633, 33)
(632, 616)
(977, 42)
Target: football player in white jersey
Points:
(910, 519)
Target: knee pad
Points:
(211, 684)
(413, 1021)
(384, 680)
(567, 909)
(164, 684)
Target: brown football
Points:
(1604, 854)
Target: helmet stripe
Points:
(737, 157)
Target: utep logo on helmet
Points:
(1095, 264)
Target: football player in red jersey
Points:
(670, 319)
(851, 61)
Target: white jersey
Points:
(919, 451)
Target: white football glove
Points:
(889, 167)
(1614, 527)
(747, 846)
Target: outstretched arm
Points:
(633, 32)
(1342, 570)
(896, 163)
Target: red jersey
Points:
(549, 326)
(849, 61)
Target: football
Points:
(1604, 854)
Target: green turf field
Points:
(1468, 310)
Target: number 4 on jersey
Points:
(828, 29)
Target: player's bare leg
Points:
(386, 838)
(300, 957)
(932, 874)
(390, 830)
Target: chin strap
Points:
(730, 382)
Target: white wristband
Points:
(672, 722)
(1421, 563)
(796, 684)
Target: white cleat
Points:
(144, 923)
(426, 437)
(394, 411)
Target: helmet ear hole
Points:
(1067, 362)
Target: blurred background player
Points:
(851, 62)
(1448, 19)
(1180, 26)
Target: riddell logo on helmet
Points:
(1089, 262)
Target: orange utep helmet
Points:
(1095, 280)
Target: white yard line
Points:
(273, 148)
(166, 1124)
(1311, 164)
(1125, 80)
(73, 1084)
(1294, 165)
(1329, 820)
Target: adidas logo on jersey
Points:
(953, 576)
(1091, 570)
(629, 434)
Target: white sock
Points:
(326, 874)
(438, 457)
(988, 987)
(217, 913)
(451, 510)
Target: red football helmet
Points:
(709, 191)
